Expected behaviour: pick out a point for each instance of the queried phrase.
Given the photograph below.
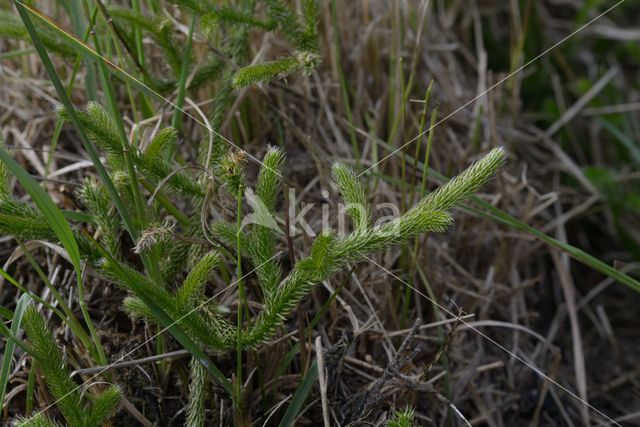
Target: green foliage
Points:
(285, 20)
(262, 238)
(214, 19)
(18, 218)
(22, 220)
(302, 36)
(49, 211)
(191, 290)
(96, 201)
(101, 130)
(268, 71)
(402, 418)
(5, 175)
(201, 325)
(16, 321)
(330, 253)
(311, 12)
(227, 232)
(12, 27)
(197, 395)
(72, 402)
(354, 195)
(299, 396)
(207, 73)
(112, 202)
(104, 405)
(160, 29)
(465, 184)
(153, 164)
(38, 420)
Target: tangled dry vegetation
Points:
(401, 329)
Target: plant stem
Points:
(71, 319)
(76, 67)
(344, 89)
(241, 303)
(176, 120)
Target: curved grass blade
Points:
(80, 46)
(300, 396)
(59, 225)
(66, 101)
(173, 327)
(578, 254)
(502, 217)
(50, 211)
(35, 297)
(11, 344)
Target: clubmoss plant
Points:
(177, 248)
(75, 405)
(402, 418)
(201, 318)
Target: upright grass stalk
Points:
(149, 259)
(176, 119)
(138, 34)
(241, 306)
(72, 80)
(344, 87)
(11, 343)
(416, 153)
(62, 94)
(77, 19)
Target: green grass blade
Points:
(11, 344)
(176, 120)
(79, 26)
(6, 332)
(502, 217)
(78, 216)
(35, 297)
(66, 101)
(174, 328)
(578, 254)
(56, 221)
(50, 211)
(628, 143)
(79, 46)
(300, 396)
